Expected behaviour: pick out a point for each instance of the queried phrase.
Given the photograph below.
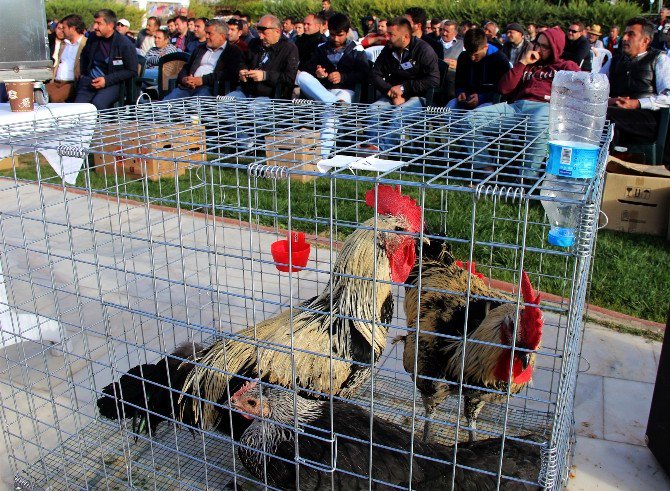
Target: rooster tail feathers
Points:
(531, 317)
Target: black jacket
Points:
(307, 44)
(421, 74)
(481, 78)
(507, 50)
(122, 59)
(353, 66)
(578, 51)
(227, 67)
(188, 39)
(279, 61)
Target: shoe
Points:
(368, 147)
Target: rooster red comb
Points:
(248, 385)
(531, 317)
(390, 201)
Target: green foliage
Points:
(86, 8)
(502, 11)
(197, 8)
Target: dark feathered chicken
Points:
(268, 450)
(491, 317)
(348, 319)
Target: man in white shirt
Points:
(66, 69)
(146, 37)
(211, 64)
(639, 85)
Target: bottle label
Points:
(572, 159)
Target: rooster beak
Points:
(426, 241)
(525, 360)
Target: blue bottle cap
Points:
(561, 237)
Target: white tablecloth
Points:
(60, 132)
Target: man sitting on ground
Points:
(480, 67)
(215, 61)
(639, 85)
(404, 72)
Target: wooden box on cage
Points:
(294, 148)
(164, 150)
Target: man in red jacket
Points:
(527, 86)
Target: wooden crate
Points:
(292, 148)
(150, 152)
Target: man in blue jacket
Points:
(108, 60)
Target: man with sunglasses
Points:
(528, 87)
(577, 47)
(639, 78)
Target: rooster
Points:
(267, 449)
(349, 319)
(442, 335)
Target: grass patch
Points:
(630, 272)
(634, 331)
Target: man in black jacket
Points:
(310, 40)
(516, 45)
(639, 78)
(333, 72)
(480, 67)
(404, 72)
(107, 60)
(270, 62)
(215, 61)
(577, 47)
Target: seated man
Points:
(67, 70)
(199, 34)
(271, 62)
(404, 72)
(146, 37)
(480, 67)
(107, 61)
(333, 72)
(577, 47)
(517, 44)
(310, 40)
(378, 37)
(528, 86)
(215, 61)
(639, 85)
(162, 48)
(235, 33)
(182, 37)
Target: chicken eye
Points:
(252, 403)
(399, 229)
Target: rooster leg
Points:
(472, 409)
(427, 426)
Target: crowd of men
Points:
(323, 57)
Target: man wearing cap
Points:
(122, 27)
(594, 33)
(516, 45)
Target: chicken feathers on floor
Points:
(349, 318)
(445, 304)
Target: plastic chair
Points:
(599, 57)
(169, 67)
(373, 52)
(653, 152)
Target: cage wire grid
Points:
(165, 238)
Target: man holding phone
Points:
(478, 71)
(528, 87)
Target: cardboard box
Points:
(294, 148)
(636, 197)
(153, 149)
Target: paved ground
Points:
(42, 407)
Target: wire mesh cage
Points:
(246, 294)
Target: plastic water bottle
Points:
(576, 120)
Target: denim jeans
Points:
(387, 119)
(179, 93)
(315, 90)
(247, 130)
(481, 117)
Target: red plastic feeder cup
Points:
(299, 252)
